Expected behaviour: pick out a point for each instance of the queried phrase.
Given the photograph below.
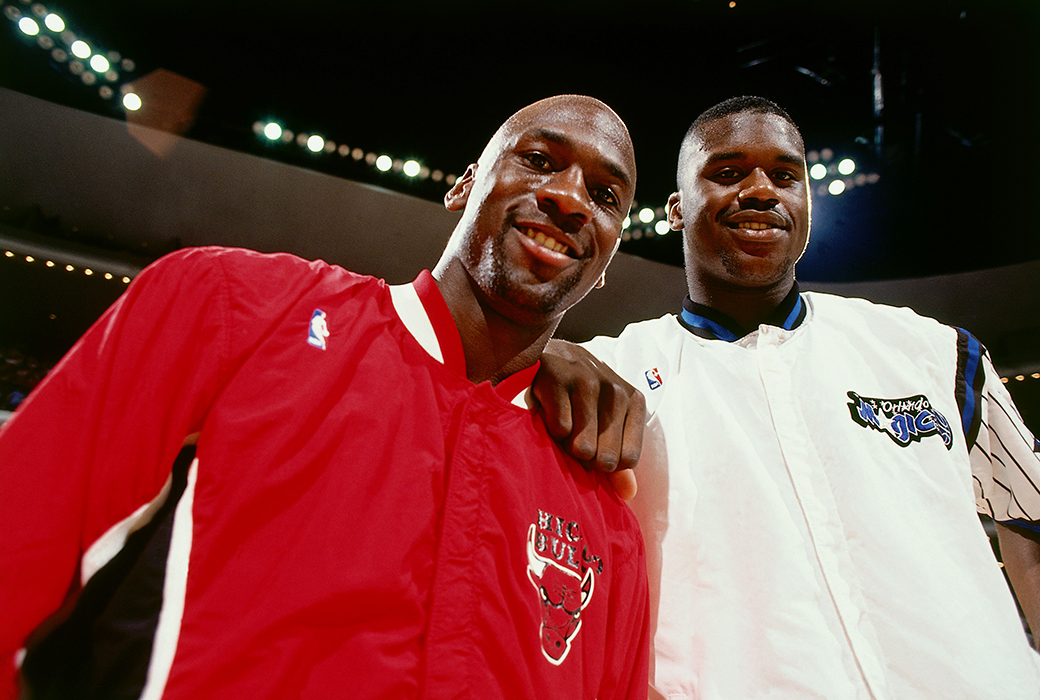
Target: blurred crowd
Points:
(19, 374)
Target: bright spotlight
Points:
(28, 26)
(626, 223)
(273, 131)
(411, 168)
(836, 187)
(131, 101)
(315, 143)
(646, 215)
(384, 163)
(99, 63)
(847, 166)
(818, 171)
(80, 49)
(54, 23)
(662, 227)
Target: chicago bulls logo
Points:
(563, 594)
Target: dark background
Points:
(954, 144)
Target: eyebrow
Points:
(737, 155)
(556, 137)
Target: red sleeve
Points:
(96, 439)
(628, 662)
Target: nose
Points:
(565, 199)
(757, 191)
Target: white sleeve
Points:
(1004, 456)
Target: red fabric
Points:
(361, 513)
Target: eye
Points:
(605, 196)
(538, 161)
(784, 176)
(727, 175)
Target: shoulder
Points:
(637, 336)
(834, 309)
(248, 271)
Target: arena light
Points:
(55, 23)
(273, 131)
(411, 168)
(315, 143)
(80, 49)
(818, 171)
(99, 63)
(646, 215)
(662, 227)
(28, 26)
(846, 166)
(626, 223)
(384, 163)
(91, 265)
(836, 187)
(131, 101)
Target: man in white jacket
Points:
(810, 462)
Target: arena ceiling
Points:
(936, 101)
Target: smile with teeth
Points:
(753, 225)
(545, 241)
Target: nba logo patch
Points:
(653, 378)
(318, 331)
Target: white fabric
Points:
(794, 553)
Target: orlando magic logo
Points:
(904, 420)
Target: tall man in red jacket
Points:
(372, 508)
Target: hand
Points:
(596, 415)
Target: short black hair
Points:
(734, 105)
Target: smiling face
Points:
(543, 207)
(743, 203)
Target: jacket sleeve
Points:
(95, 441)
(1005, 463)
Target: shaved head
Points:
(596, 115)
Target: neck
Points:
(748, 306)
(494, 345)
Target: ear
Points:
(675, 220)
(603, 277)
(458, 195)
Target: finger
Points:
(584, 400)
(555, 403)
(632, 436)
(624, 483)
(611, 427)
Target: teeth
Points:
(544, 241)
(754, 225)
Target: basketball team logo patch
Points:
(563, 572)
(653, 378)
(318, 331)
(906, 420)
